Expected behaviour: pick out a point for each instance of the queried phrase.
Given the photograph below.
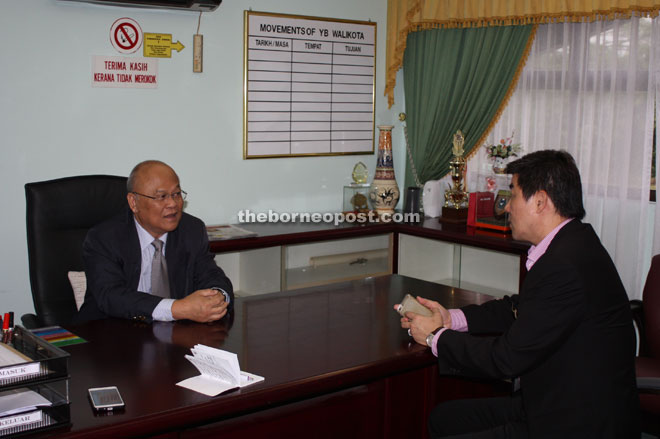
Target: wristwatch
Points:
(429, 338)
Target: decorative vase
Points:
(499, 165)
(384, 192)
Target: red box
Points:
(480, 204)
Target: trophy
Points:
(356, 194)
(456, 197)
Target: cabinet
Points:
(461, 266)
(253, 271)
(289, 256)
(307, 265)
(291, 266)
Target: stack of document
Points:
(227, 231)
(16, 366)
(21, 400)
(19, 411)
(10, 356)
(219, 370)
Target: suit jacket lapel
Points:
(132, 252)
(176, 264)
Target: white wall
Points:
(54, 124)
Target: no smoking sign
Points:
(126, 35)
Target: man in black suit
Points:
(568, 335)
(152, 261)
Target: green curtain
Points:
(455, 79)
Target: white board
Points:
(309, 86)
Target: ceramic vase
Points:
(499, 165)
(384, 192)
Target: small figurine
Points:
(459, 140)
(360, 173)
(491, 183)
(360, 203)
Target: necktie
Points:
(160, 284)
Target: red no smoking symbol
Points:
(126, 35)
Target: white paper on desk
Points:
(216, 363)
(220, 372)
(10, 356)
(205, 385)
(20, 400)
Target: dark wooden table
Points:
(336, 363)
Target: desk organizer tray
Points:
(53, 412)
(34, 385)
(39, 360)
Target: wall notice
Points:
(160, 45)
(126, 35)
(309, 86)
(124, 72)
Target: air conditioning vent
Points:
(190, 5)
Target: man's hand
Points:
(433, 305)
(201, 306)
(420, 326)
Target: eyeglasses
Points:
(176, 196)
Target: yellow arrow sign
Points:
(160, 45)
(178, 46)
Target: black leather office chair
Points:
(59, 214)
(646, 314)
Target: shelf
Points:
(308, 276)
(477, 288)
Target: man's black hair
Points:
(554, 172)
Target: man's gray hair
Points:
(130, 183)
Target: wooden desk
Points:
(336, 363)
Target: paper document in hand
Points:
(220, 372)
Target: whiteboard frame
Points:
(246, 72)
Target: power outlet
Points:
(198, 43)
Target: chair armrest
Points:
(648, 384)
(31, 321)
(637, 310)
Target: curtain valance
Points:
(405, 16)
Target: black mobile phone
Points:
(106, 398)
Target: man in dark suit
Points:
(152, 261)
(568, 335)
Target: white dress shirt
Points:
(163, 311)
